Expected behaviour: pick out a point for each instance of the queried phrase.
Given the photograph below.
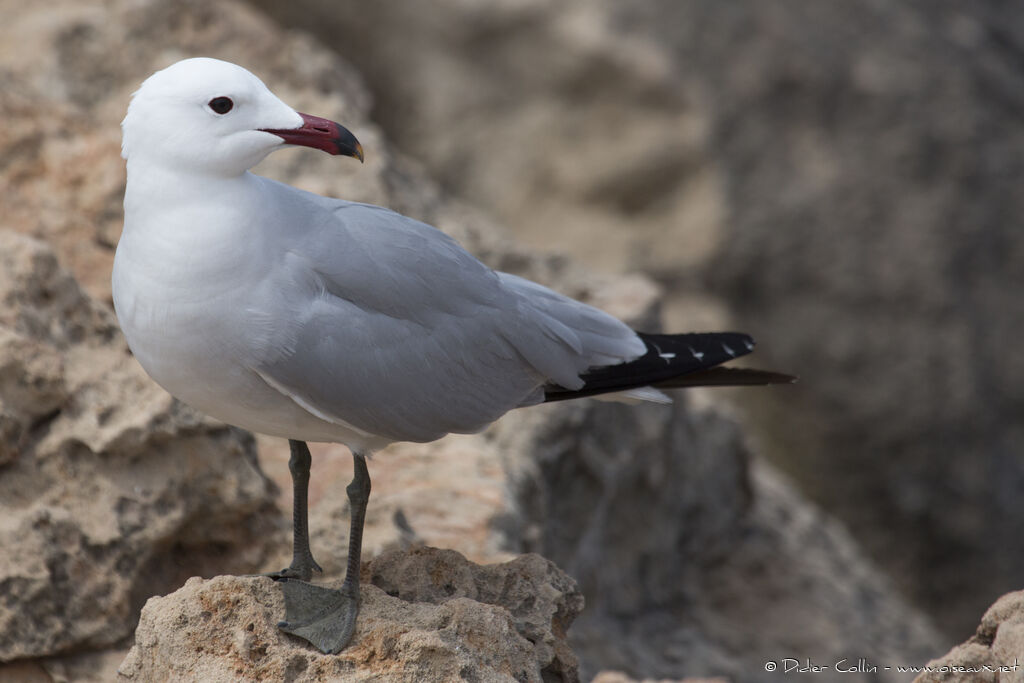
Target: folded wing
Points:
(396, 330)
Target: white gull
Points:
(318, 319)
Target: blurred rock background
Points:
(840, 179)
(834, 178)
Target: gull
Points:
(317, 319)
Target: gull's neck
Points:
(200, 222)
(155, 188)
(181, 228)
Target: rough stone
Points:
(696, 559)
(109, 491)
(872, 240)
(619, 677)
(85, 667)
(994, 654)
(427, 615)
(64, 180)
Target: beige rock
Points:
(426, 615)
(995, 653)
(444, 495)
(567, 127)
(109, 490)
(104, 50)
(63, 180)
(619, 677)
(24, 672)
(85, 667)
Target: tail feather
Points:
(673, 361)
(726, 377)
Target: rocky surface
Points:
(699, 572)
(619, 677)
(874, 240)
(845, 174)
(994, 654)
(694, 557)
(109, 490)
(427, 615)
(66, 189)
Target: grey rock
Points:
(100, 54)
(845, 175)
(695, 558)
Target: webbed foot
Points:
(326, 617)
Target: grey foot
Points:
(325, 617)
(301, 571)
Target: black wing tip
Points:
(724, 376)
(718, 376)
(699, 349)
(771, 378)
(676, 361)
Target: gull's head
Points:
(203, 115)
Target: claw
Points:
(302, 572)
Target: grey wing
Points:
(398, 331)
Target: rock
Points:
(426, 615)
(602, 142)
(890, 240)
(67, 188)
(444, 495)
(995, 653)
(85, 667)
(109, 490)
(848, 189)
(24, 672)
(619, 677)
(695, 558)
(65, 179)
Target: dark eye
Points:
(221, 105)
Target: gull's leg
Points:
(327, 617)
(303, 563)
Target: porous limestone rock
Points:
(110, 491)
(427, 615)
(994, 654)
(62, 180)
(619, 677)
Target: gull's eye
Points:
(221, 105)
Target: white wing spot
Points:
(667, 357)
(725, 347)
(696, 354)
(749, 344)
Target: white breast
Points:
(197, 340)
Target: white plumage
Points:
(311, 318)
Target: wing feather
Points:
(394, 329)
